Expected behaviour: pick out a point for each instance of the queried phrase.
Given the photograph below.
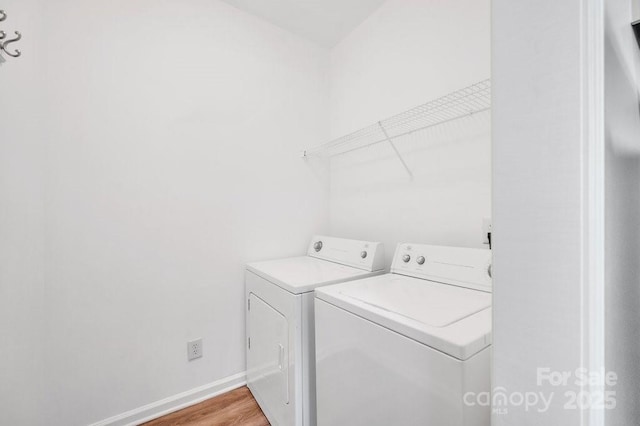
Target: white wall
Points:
(21, 222)
(622, 210)
(166, 157)
(539, 188)
(407, 53)
(172, 134)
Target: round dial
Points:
(363, 254)
(406, 258)
(420, 260)
(317, 246)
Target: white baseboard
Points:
(174, 403)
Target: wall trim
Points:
(176, 402)
(593, 200)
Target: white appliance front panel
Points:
(463, 267)
(267, 359)
(368, 375)
(274, 320)
(271, 309)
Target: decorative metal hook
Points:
(3, 15)
(8, 42)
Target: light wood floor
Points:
(233, 408)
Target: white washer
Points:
(280, 322)
(405, 348)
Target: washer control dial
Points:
(406, 258)
(317, 246)
(420, 260)
(363, 254)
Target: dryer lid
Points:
(303, 274)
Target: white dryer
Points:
(280, 322)
(405, 348)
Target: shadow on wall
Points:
(622, 73)
(622, 219)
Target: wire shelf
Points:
(453, 106)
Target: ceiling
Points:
(325, 22)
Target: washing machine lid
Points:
(428, 303)
(305, 273)
(451, 319)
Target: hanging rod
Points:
(5, 43)
(453, 106)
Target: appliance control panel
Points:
(366, 255)
(463, 267)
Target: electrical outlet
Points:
(194, 349)
(486, 228)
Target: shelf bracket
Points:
(404, 164)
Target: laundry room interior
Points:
(300, 213)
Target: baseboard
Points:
(174, 403)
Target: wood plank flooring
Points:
(232, 408)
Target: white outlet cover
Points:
(194, 349)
